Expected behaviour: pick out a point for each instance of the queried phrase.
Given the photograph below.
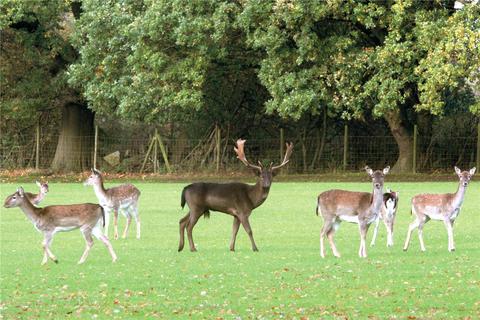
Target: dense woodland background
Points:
(206, 72)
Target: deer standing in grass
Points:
(361, 208)
(87, 217)
(442, 207)
(37, 198)
(387, 215)
(122, 198)
(235, 198)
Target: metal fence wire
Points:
(130, 154)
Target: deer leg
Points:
(449, 226)
(330, 235)
(48, 237)
(191, 223)
(375, 231)
(420, 233)
(389, 227)
(183, 223)
(87, 234)
(248, 230)
(97, 232)
(236, 225)
(362, 252)
(115, 224)
(327, 225)
(411, 227)
(127, 225)
(137, 220)
(107, 221)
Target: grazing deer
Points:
(362, 208)
(52, 219)
(387, 215)
(442, 207)
(124, 198)
(37, 198)
(236, 199)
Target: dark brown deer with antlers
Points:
(235, 198)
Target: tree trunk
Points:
(74, 148)
(402, 133)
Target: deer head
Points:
(378, 177)
(264, 173)
(43, 186)
(15, 199)
(465, 176)
(95, 178)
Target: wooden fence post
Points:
(217, 146)
(155, 153)
(37, 150)
(282, 144)
(164, 152)
(95, 146)
(415, 134)
(478, 145)
(345, 147)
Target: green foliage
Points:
(354, 57)
(286, 279)
(151, 61)
(32, 50)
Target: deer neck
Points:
(258, 193)
(377, 199)
(459, 195)
(100, 192)
(30, 211)
(40, 196)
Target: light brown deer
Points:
(361, 208)
(442, 207)
(122, 198)
(37, 198)
(87, 217)
(387, 215)
(235, 198)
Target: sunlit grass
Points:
(286, 279)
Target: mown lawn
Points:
(286, 279)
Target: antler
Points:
(288, 153)
(241, 155)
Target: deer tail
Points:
(103, 215)
(206, 214)
(316, 210)
(182, 202)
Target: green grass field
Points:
(286, 279)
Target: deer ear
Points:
(472, 171)
(21, 192)
(38, 184)
(458, 171)
(389, 190)
(369, 171)
(386, 170)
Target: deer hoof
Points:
(55, 260)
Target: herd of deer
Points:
(239, 200)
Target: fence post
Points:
(218, 145)
(155, 153)
(95, 146)
(415, 134)
(345, 147)
(37, 150)
(478, 145)
(282, 143)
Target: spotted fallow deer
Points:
(442, 207)
(87, 217)
(361, 208)
(37, 198)
(122, 198)
(387, 215)
(236, 199)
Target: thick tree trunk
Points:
(74, 148)
(402, 133)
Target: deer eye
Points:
(14, 197)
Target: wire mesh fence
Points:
(311, 154)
